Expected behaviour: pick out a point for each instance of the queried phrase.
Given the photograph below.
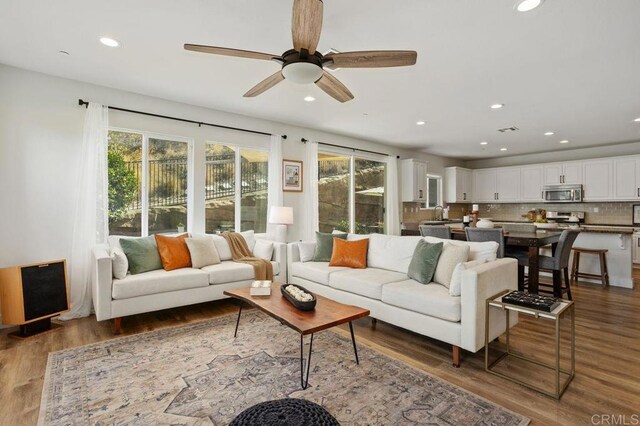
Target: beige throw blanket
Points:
(240, 253)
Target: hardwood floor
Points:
(607, 357)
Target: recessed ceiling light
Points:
(503, 149)
(309, 98)
(484, 143)
(548, 133)
(420, 123)
(109, 42)
(527, 5)
(564, 141)
(637, 120)
(497, 106)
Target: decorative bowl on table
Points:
(485, 222)
(299, 296)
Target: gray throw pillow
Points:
(142, 254)
(324, 246)
(424, 261)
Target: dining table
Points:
(530, 241)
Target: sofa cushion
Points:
(477, 250)
(391, 252)
(365, 282)
(324, 246)
(203, 252)
(142, 254)
(430, 299)
(174, 252)
(230, 271)
(352, 254)
(158, 281)
(318, 272)
(424, 261)
(450, 257)
(263, 249)
(307, 250)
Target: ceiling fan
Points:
(304, 65)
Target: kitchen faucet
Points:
(435, 212)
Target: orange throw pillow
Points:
(352, 254)
(174, 252)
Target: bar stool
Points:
(604, 270)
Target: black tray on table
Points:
(303, 306)
(534, 301)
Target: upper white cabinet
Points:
(626, 178)
(413, 178)
(458, 185)
(559, 173)
(597, 179)
(531, 183)
(508, 184)
(485, 185)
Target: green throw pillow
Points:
(142, 254)
(424, 261)
(324, 246)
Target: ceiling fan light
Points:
(302, 72)
(527, 5)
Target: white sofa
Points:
(155, 290)
(385, 289)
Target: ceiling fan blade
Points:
(264, 85)
(332, 87)
(372, 59)
(230, 52)
(306, 24)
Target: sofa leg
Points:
(117, 325)
(456, 356)
(374, 322)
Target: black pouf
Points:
(285, 412)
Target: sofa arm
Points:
(101, 281)
(478, 284)
(280, 256)
(293, 255)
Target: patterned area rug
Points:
(198, 374)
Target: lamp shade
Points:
(281, 215)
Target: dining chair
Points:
(438, 231)
(487, 234)
(519, 227)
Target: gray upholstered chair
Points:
(487, 234)
(519, 227)
(437, 231)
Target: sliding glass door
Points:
(369, 186)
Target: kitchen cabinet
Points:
(636, 248)
(508, 184)
(560, 173)
(413, 178)
(531, 182)
(484, 185)
(458, 185)
(626, 178)
(597, 179)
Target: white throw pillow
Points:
(250, 238)
(391, 252)
(451, 256)
(222, 247)
(307, 250)
(203, 252)
(263, 249)
(456, 278)
(485, 250)
(119, 263)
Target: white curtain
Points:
(275, 195)
(90, 225)
(393, 202)
(311, 191)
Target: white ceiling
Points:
(570, 66)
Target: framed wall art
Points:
(292, 175)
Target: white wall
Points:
(40, 137)
(613, 150)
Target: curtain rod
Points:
(303, 140)
(184, 120)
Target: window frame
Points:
(144, 188)
(439, 201)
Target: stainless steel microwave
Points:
(562, 193)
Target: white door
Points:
(485, 185)
(626, 180)
(508, 184)
(597, 180)
(531, 179)
(572, 173)
(552, 174)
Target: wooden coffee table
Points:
(327, 313)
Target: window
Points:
(434, 191)
(351, 194)
(236, 189)
(148, 183)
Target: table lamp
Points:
(281, 216)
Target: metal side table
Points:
(556, 315)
